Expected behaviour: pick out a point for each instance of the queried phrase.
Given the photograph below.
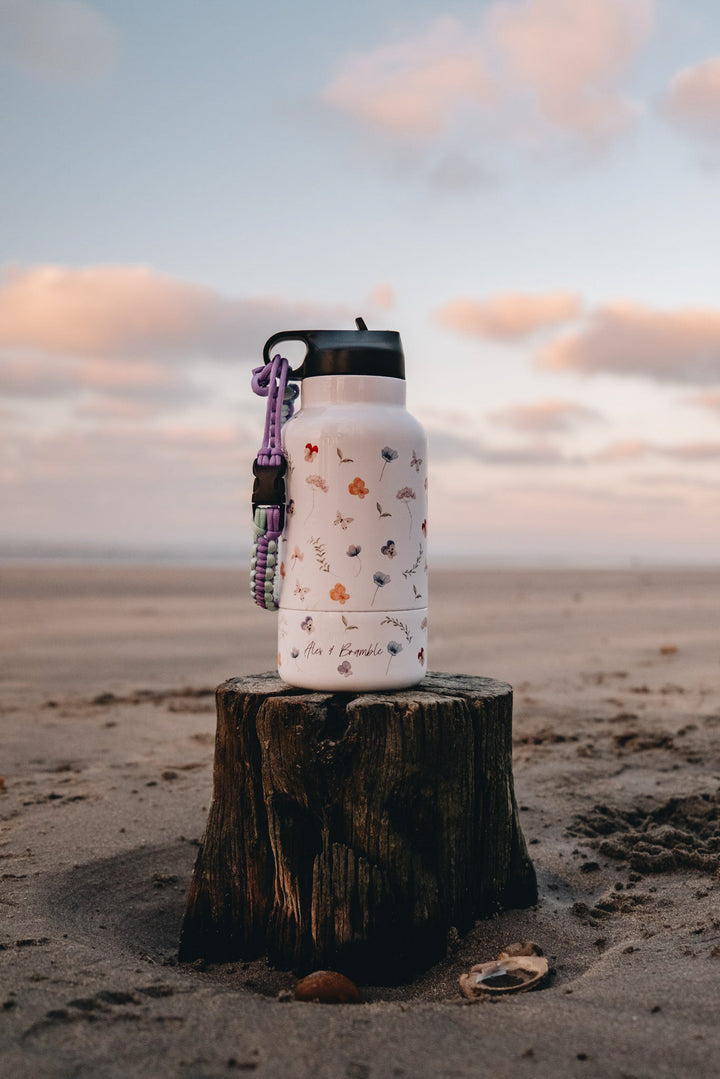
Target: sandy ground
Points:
(108, 720)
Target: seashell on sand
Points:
(516, 974)
(327, 987)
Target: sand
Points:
(108, 718)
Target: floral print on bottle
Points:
(354, 595)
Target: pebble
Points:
(327, 987)
(524, 947)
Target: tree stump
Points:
(352, 831)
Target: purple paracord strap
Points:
(270, 381)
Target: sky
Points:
(526, 189)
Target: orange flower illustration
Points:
(357, 487)
(338, 593)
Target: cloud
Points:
(458, 171)
(625, 338)
(572, 56)
(382, 296)
(414, 86)
(123, 482)
(117, 409)
(636, 449)
(445, 446)
(544, 417)
(710, 399)
(509, 316)
(526, 70)
(134, 313)
(59, 377)
(692, 451)
(57, 39)
(692, 100)
(627, 449)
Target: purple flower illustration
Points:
(393, 647)
(389, 549)
(345, 669)
(387, 455)
(307, 624)
(406, 495)
(353, 551)
(380, 579)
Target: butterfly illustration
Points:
(310, 451)
(300, 591)
(415, 461)
(343, 521)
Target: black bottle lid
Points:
(344, 352)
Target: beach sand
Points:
(108, 720)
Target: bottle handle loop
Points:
(269, 468)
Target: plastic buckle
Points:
(269, 487)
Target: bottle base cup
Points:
(351, 651)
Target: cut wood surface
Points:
(354, 831)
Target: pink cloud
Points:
(133, 312)
(692, 101)
(636, 449)
(710, 399)
(382, 296)
(528, 69)
(509, 315)
(628, 449)
(693, 451)
(414, 86)
(625, 338)
(544, 417)
(122, 482)
(58, 376)
(571, 56)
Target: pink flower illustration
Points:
(296, 556)
(318, 482)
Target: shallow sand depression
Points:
(108, 720)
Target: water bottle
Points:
(353, 553)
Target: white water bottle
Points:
(353, 596)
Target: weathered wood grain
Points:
(352, 831)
